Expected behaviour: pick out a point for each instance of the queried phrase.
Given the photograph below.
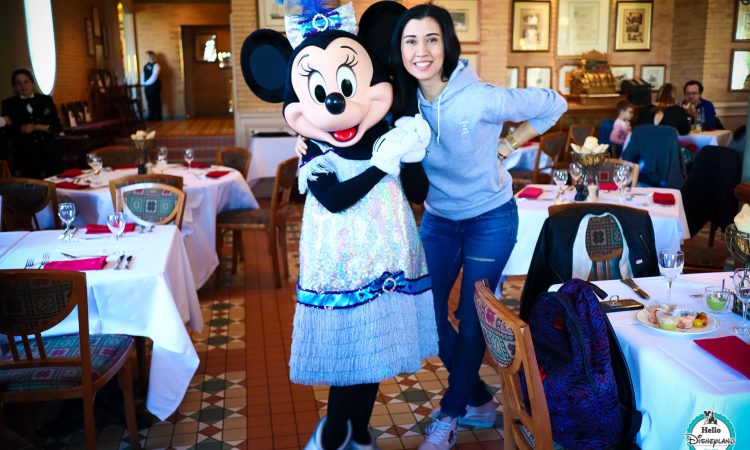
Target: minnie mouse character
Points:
(364, 300)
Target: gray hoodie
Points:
(466, 121)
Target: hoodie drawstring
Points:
(440, 98)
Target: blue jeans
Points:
(482, 246)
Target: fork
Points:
(29, 263)
(45, 260)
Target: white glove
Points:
(420, 129)
(387, 151)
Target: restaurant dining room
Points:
(274, 225)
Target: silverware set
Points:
(30, 262)
(128, 261)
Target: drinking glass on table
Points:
(161, 159)
(741, 280)
(67, 213)
(670, 267)
(620, 177)
(189, 157)
(116, 224)
(576, 172)
(560, 177)
(95, 162)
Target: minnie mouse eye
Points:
(346, 81)
(317, 87)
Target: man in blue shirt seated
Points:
(700, 110)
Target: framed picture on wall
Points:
(512, 80)
(741, 22)
(465, 15)
(582, 26)
(89, 25)
(563, 78)
(539, 77)
(271, 15)
(622, 73)
(205, 47)
(633, 26)
(654, 75)
(530, 26)
(97, 22)
(105, 42)
(740, 69)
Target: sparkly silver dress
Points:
(364, 300)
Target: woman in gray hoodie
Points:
(471, 218)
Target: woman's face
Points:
(422, 50)
(23, 85)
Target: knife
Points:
(630, 283)
(129, 263)
(119, 262)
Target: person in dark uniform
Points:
(34, 123)
(152, 82)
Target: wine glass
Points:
(670, 267)
(741, 280)
(189, 157)
(620, 178)
(95, 162)
(576, 172)
(116, 224)
(67, 213)
(560, 177)
(161, 158)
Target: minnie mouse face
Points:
(338, 94)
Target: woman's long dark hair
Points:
(405, 86)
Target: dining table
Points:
(9, 239)
(153, 296)
(670, 222)
(268, 151)
(674, 380)
(700, 139)
(524, 158)
(205, 198)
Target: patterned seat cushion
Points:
(152, 204)
(105, 350)
(501, 342)
(602, 236)
(251, 217)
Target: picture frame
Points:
(622, 73)
(539, 77)
(633, 26)
(200, 40)
(654, 74)
(473, 59)
(89, 27)
(271, 15)
(512, 77)
(465, 15)
(97, 23)
(741, 23)
(105, 42)
(563, 78)
(739, 70)
(582, 26)
(531, 24)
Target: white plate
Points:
(711, 326)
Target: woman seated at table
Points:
(667, 111)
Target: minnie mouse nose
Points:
(335, 103)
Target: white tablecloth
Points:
(268, 153)
(674, 379)
(205, 197)
(154, 299)
(8, 239)
(525, 158)
(670, 223)
(702, 139)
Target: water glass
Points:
(560, 177)
(620, 177)
(576, 172)
(670, 267)
(67, 213)
(189, 157)
(741, 280)
(161, 158)
(95, 162)
(116, 224)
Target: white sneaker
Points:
(482, 416)
(373, 445)
(316, 440)
(441, 434)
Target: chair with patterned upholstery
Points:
(607, 171)
(237, 158)
(526, 423)
(162, 178)
(117, 155)
(553, 145)
(22, 199)
(4, 169)
(577, 134)
(272, 221)
(152, 203)
(55, 368)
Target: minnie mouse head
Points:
(333, 88)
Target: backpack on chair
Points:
(586, 381)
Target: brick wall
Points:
(719, 45)
(689, 41)
(158, 29)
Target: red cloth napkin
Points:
(124, 166)
(530, 192)
(78, 264)
(70, 173)
(217, 173)
(199, 165)
(95, 228)
(607, 186)
(690, 146)
(71, 185)
(730, 350)
(663, 198)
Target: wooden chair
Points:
(607, 170)
(577, 134)
(22, 199)
(171, 180)
(4, 169)
(61, 367)
(527, 425)
(153, 203)
(273, 221)
(116, 155)
(237, 158)
(552, 144)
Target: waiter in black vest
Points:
(150, 79)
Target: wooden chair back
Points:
(509, 343)
(153, 203)
(285, 182)
(115, 185)
(116, 155)
(4, 169)
(237, 158)
(23, 198)
(607, 171)
(553, 145)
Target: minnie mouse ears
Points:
(264, 60)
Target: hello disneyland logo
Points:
(710, 430)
